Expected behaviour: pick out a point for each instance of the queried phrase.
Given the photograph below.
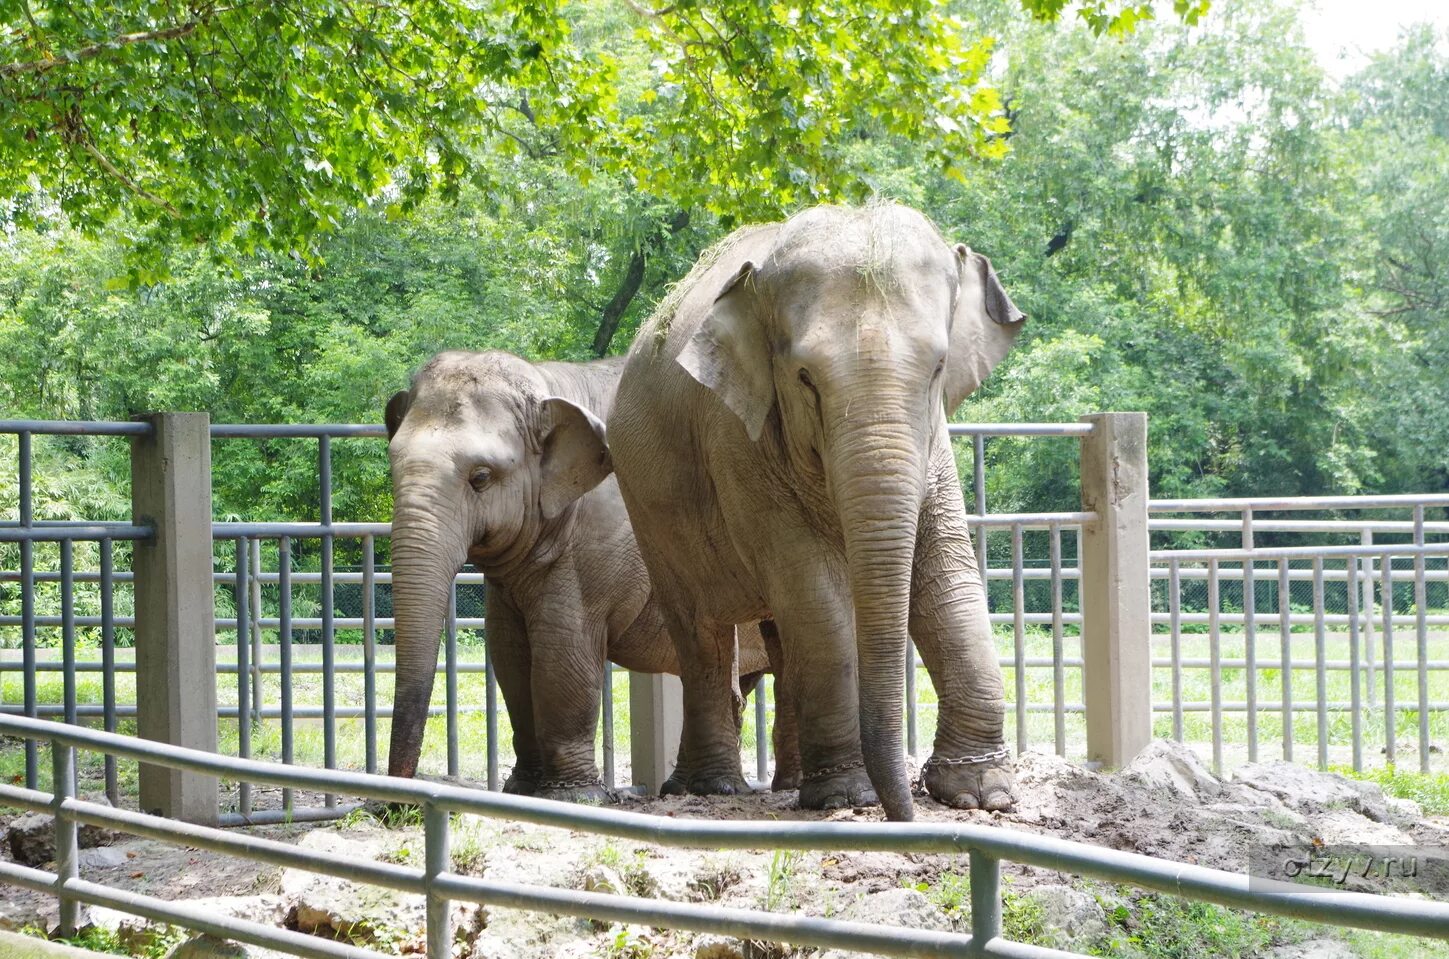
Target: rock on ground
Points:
(1071, 919)
(31, 838)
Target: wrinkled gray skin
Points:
(502, 463)
(780, 441)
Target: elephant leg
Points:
(969, 767)
(567, 681)
(816, 625)
(513, 666)
(785, 736)
(709, 748)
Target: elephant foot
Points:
(588, 792)
(522, 782)
(837, 787)
(971, 782)
(720, 785)
(785, 779)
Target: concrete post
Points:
(1116, 610)
(656, 721)
(175, 620)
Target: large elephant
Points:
(502, 463)
(780, 440)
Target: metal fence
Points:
(985, 846)
(1332, 610)
(282, 669)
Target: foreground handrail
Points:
(987, 844)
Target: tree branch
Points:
(124, 180)
(86, 53)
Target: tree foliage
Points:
(264, 123)
(1200, 223)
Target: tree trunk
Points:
(630, 284)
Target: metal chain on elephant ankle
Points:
(570, 783)
(832, 770)
(1000, 752)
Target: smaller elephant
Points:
(502, 463)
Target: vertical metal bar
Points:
(27, 612)
(284, 613)
(1250, 638)
(1059, 678)
(1320, 657)
(1215, 661)
(911, 732)
(608, 723)
(762, 737)
(490, 679)
(1355, 661)
(67, 629)
(1391, 716)
(256, 631)
(437, 860)
(1174, 615)
(67, 843)
(329, 632)
(369, 651)
(451, 653)
(108, 663)
(985, 875)
(1018, 606)
(1367, 600)
(243, 669)
(1421, 604)
(1285, 662)
(978, 482)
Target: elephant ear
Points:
(983, 327)
(575, 457)
(729, 353)
(397, 408)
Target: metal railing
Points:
(1366, 577)
(985, 846)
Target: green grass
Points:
(1429, 790)
(159, 941)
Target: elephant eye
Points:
(480, 478)
(805, 378)
(940, 368)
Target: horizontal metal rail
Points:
(10, 533)
(267, 431)
(1267, 553)
(1257, 503)
(1019, 429)
(75, 428)
(987, 845)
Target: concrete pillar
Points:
(656, 721)
(175, 619)
(1116, 609)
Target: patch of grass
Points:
(153, 943)
(470, 851)
(628, 942)
(1384, 945)
(1023, 919)
(1429, 790)
(780, 878)
(1165, 927)
(951, 893)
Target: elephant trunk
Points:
(878, 479)
(426, 555)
